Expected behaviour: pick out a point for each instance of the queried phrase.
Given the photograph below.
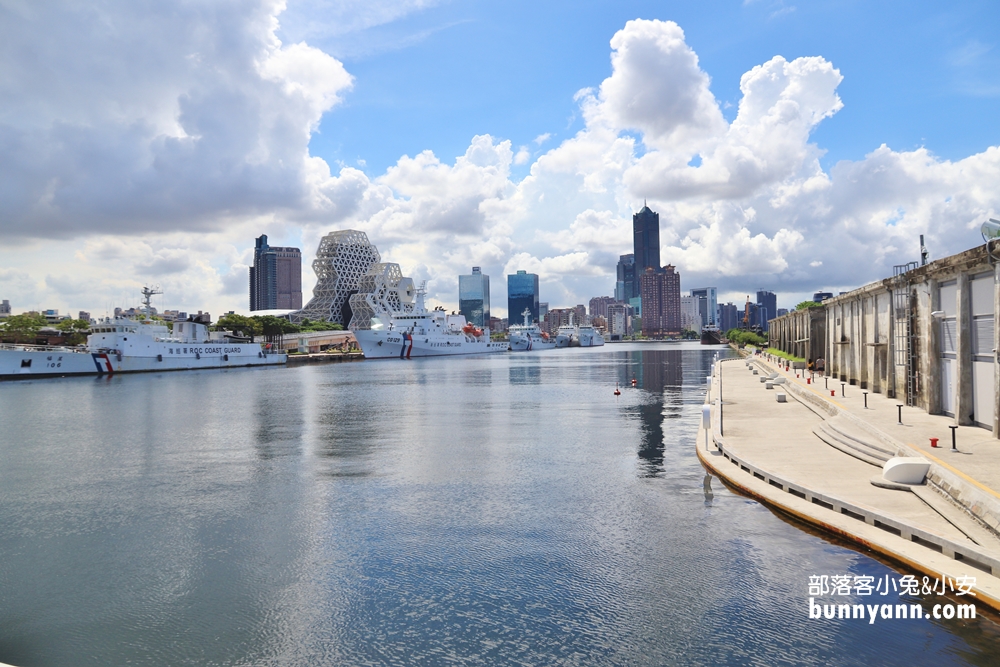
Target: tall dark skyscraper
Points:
(522, 292)
(646, 239)
(767, 308)
(474, 297)
(275, 277)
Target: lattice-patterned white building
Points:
(342, 258)
(383, 289)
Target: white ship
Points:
(589, 336)
(566, 335)
(390, 321)
(527, 337)
(121, 345)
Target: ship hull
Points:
(595, 340)
(711, 337)
(25, 363)
(398, 345)
(530, 344)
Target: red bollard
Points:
(833, 393)
(934, 442)
(808, 380)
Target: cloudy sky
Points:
(792, 146)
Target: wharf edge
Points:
(816, 509)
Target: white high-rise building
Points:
(708, 304)
(690, 315)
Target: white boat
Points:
(390, 321)
(589, 337)
(529, 337)
(122, 345)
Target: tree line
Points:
(26, 326)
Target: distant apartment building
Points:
(543, 311)
(83, 315)
(5, 309)
(52, 316)
(474, 297)
(497, 325)
(708, 304)
(559, 317)
(599, 306)
(620, 320)
(820, 297)
(275, 277)
(660, 290)
(690, 315)
(728, 317)
(522, 292)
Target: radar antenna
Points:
(147, 295)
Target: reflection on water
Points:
(499, 510)
(659, 375)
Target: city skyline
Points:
(890, 139)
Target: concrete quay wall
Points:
(961, 489)
(925, 541)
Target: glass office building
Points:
(767, 308)
(626, 286)
(522, 292)
(474, 297)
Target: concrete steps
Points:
(840, 434)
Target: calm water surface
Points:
(480, 511)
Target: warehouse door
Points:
(983, 356)
(949, 346)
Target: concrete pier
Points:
(819, 457)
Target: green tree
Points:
(24, 326)
(274, 328)
(241, 325)
(75, 330)
(741, 337)
(309, 325)
(807, 304)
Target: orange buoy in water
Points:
(617, 391)
(633, 382)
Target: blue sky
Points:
(915, 73)
(152, 142)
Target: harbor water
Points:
(496, 510)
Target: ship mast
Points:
(147, 295)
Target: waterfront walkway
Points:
(815, 456)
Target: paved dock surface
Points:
(781, 438)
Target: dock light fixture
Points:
(866, 399)
(843, 386)
(899, 409)
(706, 421)
(937, 314)
(954, 447)
(991, 232)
